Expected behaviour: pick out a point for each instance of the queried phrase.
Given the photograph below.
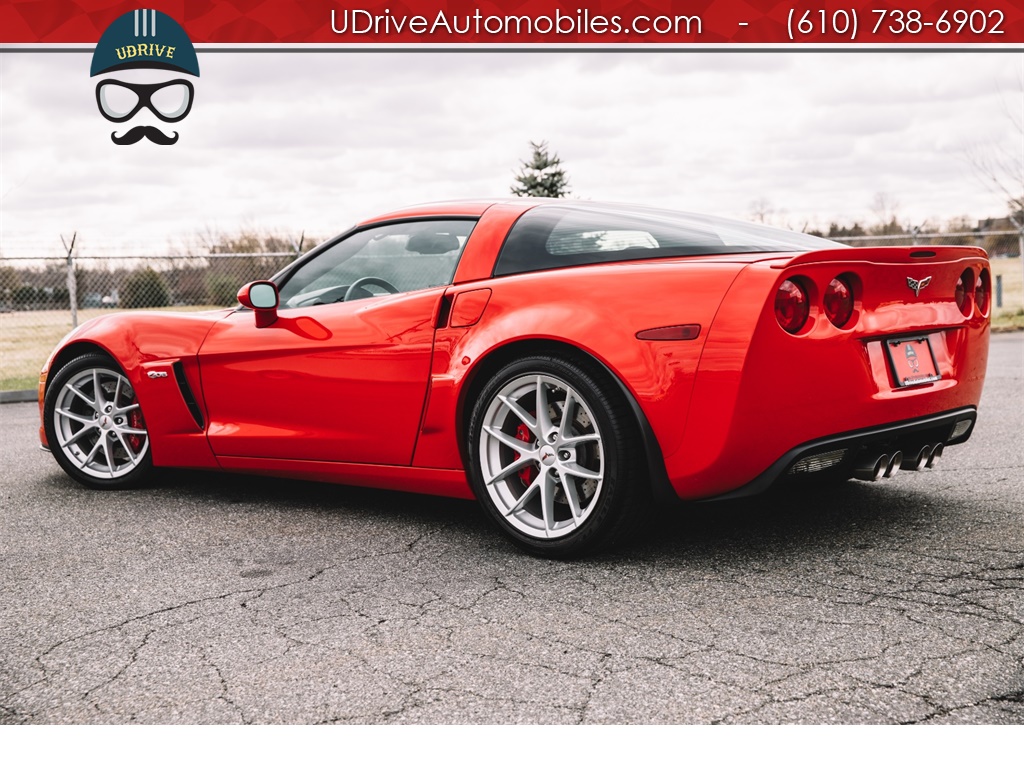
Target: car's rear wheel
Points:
(556, 457)
(94, 424)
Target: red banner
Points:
(447, 23)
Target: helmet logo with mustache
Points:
(140, 43)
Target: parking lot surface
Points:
(209, 598)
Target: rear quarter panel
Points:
(761, 391)
(598, 310)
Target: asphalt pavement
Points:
(210, 598)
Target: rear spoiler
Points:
(904, 254)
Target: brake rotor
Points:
(581, 423)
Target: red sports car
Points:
(565, 363)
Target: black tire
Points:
(581, 488)
(102, 443)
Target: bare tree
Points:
(886, 208)
(1000, 165)
(761, 210)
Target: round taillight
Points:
(983, 292)
(838, 302)
(791, 306)
(962, 293)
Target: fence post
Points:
(1020, 243)
(72, 280)
(999, 291)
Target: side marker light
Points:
(671, 333)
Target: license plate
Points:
(912, 361)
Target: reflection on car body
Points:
(563, 362)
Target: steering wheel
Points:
(358, 284)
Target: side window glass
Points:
(392, 258)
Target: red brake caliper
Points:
(135, 422)
(526, 474)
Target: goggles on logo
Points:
(120, 101)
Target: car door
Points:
(342, 374)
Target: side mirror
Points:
(261, 297)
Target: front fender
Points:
(145, 342)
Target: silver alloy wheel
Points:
(98, 424)
(542, 456)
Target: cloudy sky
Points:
(316, 141)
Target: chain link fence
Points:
(42, 298)
(1003, 243)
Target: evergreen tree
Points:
(542, 175)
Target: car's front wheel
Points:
(555, 456)
(94, 424)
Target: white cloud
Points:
(315, 141)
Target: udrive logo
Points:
(143, 47)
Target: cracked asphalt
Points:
(226, 599)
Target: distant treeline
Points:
(211, 269)
(208, 273)
(956, 232)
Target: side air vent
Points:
(444, 311)
(187, 395)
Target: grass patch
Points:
(1008, 321)
(1011, 316)
(27, 338)
(1011, 271)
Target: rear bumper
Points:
(909, 437)
(760, 393)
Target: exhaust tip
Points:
(917, 461)
(894, 464)
(934, 455)
(921, 460)
(872, 470)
